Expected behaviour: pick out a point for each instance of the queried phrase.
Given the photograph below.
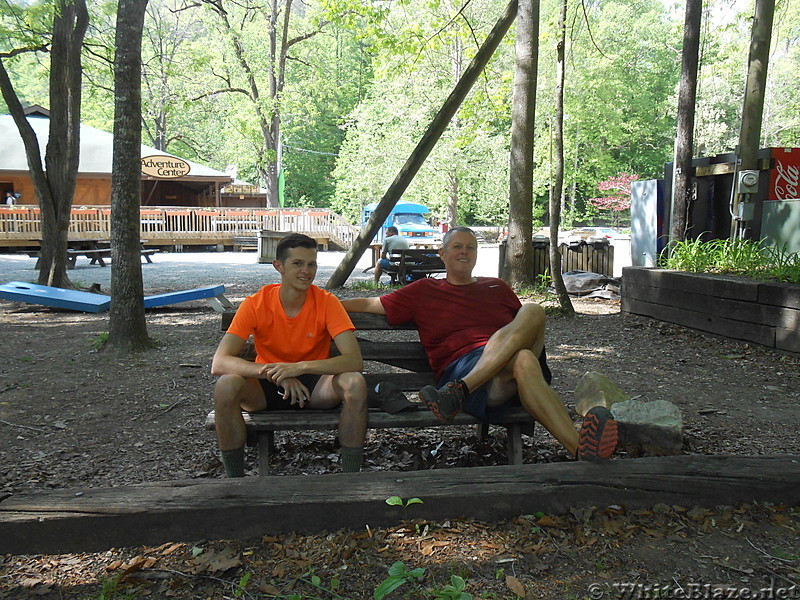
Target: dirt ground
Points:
(73, 416)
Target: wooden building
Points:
(200, 187)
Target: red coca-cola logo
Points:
(787, 181)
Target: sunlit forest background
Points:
(358, 82)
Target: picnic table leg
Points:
(514, 443)
(71, 260)
(266, 442)
(220, 303)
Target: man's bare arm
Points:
(227, 362)
(364, 305)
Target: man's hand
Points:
(295, 391)
(278, 372)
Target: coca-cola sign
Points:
(784, 177)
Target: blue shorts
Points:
(385, 263)
(477, 402)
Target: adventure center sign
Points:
(165, 167)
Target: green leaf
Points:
(394, 501)
(398, 569)
(413, 501)
(387, 586)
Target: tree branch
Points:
(26, 49)
(221, 91)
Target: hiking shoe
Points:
(598, 436)
(446, 402)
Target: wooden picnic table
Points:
(98, 251)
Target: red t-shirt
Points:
(278, 338)
(452, 320)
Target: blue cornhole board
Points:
(32, 293)
(207, 293)
(53, 296)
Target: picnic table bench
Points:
(245, 242)
(413, 263)
(403, 363)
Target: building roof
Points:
(96, 150)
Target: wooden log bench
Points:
(413, 263)
(403, 363)
(96, 519)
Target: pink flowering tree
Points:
(619, 195)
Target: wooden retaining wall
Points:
(765, 313)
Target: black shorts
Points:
(274, 397)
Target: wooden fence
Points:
(582, 256)
(174, 225)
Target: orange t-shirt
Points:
(281, 339)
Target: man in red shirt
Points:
(292, 324)
(486, 349)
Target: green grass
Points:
(745, 258)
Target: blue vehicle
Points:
(409, 218)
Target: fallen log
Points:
(95, 519)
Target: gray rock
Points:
(595, 389)
(651, 428)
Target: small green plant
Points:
(453, 590)
(241, 586)
(26, 359)
(398, 501)
(398, 575)
(99, 340)
(110, 589)
(746, 258)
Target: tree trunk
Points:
(423, 148)
(56, 187)
(127, 326)
(268, 112)
(519, 254)
(684, 138)
(63, 145)
(558, 187)
(755, 88)
(452, 203)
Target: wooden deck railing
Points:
(181, 225)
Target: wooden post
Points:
(753, 108)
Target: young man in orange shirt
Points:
(292, 324)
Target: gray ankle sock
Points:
(351, 459)
(233, 461)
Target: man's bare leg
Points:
(541, 401)
(510, 363)
(350, 390)
(232, 394)
(523, 377)
(526, 331)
